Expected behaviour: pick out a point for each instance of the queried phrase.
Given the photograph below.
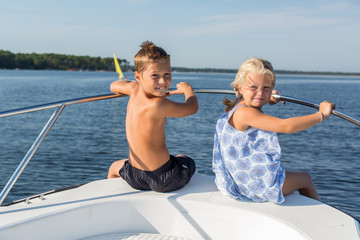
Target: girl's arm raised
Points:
(246, 116)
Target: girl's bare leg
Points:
(115, 168)
(299, 181)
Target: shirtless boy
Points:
(150, 166)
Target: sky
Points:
(308, 35)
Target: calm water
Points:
(88, 137)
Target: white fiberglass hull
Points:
(198, 211)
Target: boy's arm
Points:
(122, 87)
(169, 108)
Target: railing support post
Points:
(30, 153)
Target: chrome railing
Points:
(57, 104)
(60, 105)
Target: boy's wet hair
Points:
(252, 65)
(149, 53)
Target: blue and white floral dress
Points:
(247, 163)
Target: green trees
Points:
(9, 60)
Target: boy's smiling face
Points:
(156, 79)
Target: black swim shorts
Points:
(172, 175)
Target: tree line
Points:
(9, 60)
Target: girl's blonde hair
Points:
(148, 54)
(252, 65)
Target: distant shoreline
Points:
(51, 61)
(202, 70)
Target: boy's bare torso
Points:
(145, 132)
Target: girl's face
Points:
(156, 79)
(256, 90)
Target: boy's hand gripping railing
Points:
(59, 107)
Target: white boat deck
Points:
(110, 209)
(134, 236)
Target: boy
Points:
(150, 166)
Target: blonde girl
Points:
(246, 154)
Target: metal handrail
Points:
(60, 105)
(88, 99)
(316, 106)
(30, 153)
(57, 104)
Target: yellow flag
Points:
(117, 67)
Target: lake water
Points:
(88, 137)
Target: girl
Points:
(246, 155)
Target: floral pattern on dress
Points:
(247, 163)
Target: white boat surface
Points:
(111, 209)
